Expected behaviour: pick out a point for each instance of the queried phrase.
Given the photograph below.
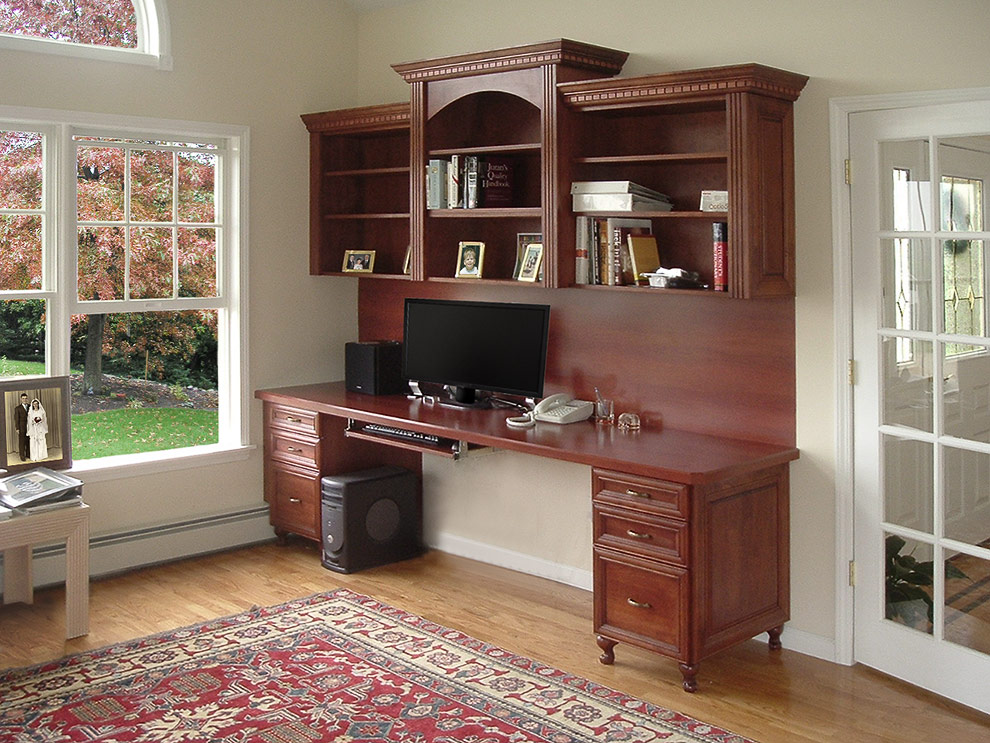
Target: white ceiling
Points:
(365, 6)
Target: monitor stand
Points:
(465, 397)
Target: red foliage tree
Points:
(100, 22)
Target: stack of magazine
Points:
(40, 489)
(617, 196)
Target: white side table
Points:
(18, 533)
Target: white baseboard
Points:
(115, 553)
(792, 639)
(518, 561)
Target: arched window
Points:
(119, 30)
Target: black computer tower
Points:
(370, 518)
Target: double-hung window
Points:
(121, 266)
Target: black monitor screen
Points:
(495, 346)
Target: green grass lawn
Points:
(130, 431)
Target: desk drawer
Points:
(640, 493)
(294, 499)
(294, 419)
(641, 533)
(642, 602)
(292, 448)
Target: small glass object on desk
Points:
(604, 411)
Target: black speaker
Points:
(372, 517)
(374, 368)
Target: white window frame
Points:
(154, 45)
(59, 271)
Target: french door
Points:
(921, 402)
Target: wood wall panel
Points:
(697, 362)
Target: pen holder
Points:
(604, 412)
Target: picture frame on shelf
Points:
(36, 434)
(470, 260)
(358, 261)
(532, 262)
(523, 240)
(406, 262)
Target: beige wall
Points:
(847, 47)
(250, 63)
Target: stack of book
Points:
(603, 253)
(39, 489)
(469, 182)
(617, 196)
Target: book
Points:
(616, 187)
(454, 193)
(714, 201)
(619, 229)
(618, 202)
(472, 181)
(38, 486)
(644, 257)
(719, 246)
(584, 233)
(496, 181)
(436, 184)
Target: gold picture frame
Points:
(532, 259)
(470, 260)
(523, 240)
(358, 261)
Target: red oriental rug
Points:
(333, 667)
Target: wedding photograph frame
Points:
(358, 261)
(50, 442)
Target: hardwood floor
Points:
(783, 697)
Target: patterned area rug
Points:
(333, 667)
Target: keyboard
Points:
(402, 433)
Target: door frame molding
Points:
(840, 109)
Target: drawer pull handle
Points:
(639, 605)
(638, 534)
(293, 420)
(293, 448)
(294, 500)
(637, 494)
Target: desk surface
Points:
(679, 456)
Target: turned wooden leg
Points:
(775, 637)
(281, 537)
(608, 655)
(690, 672)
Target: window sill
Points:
(150, 463)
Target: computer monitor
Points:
(500, 347)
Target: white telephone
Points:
(559, 408)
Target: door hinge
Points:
(848, 169)
(851, 371)
(852, 573)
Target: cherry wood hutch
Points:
(691, 547)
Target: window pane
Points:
(906, 197)
(907, 383)
(965, 308)
(197, 172)
(908, 483)
(21, 169)
(151, 263)
(148, 382)
(907, 285)
(20, 252)
(100, 184)
(966, 482)
(101, 22)
(151, 186)
(101, 263)
(197, 262)
(908, 579)
(967, 601)
(22, 337)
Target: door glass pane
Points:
(908, 478)
(966, 484)
(907, 382)
(905, 186)
(965, 300)
(908, 582)
(966, 391)
(907, 285)
(963, 162)
(967, 601)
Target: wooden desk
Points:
(691, 532)
(18, 533)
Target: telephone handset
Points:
(559, 408)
